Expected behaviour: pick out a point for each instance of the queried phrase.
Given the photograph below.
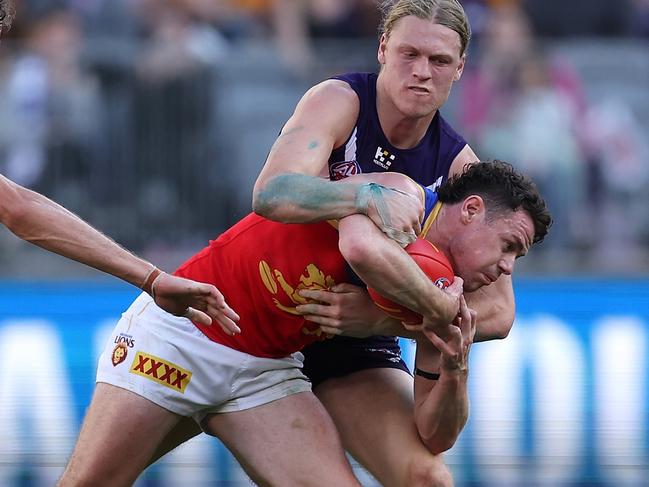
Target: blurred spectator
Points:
(619, 152)
(342, 19)
(173, 109)
(520, 106)
(51, 103)
(640, 22)
(558, 18)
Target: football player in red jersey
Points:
(248, 389)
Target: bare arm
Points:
(382, 264)
(39, 220)
(496, 307)
(442, 405)
(289, 189)
(323, 119)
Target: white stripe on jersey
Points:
(350, 147)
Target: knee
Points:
(429, 472)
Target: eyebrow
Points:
(520, 246)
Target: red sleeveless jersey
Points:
(259, 266)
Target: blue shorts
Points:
(342, 356)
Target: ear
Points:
(473, 208)
(460, 69)
(382, 47)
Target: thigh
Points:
(184, 430)
(291, 441)
(373, 411)
(120, 432)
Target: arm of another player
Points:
(382, 264)
(495, 304)
(289, 188)
(39, 220)
(442, 402)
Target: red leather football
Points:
(434, 264)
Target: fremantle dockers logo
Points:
(344, 169)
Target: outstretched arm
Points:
(39, 220)
(442, 402)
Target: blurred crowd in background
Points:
(152, 118)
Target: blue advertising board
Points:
(564, 400)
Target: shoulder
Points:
(464, 157)
(332, 91)
(449, 131)
(331, 106)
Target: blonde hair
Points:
(448, 13)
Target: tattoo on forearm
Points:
(373, 192)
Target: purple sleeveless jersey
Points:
(367, 149)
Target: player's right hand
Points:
(344, 310)
(396, 213)
(446, 311)
(197, 301)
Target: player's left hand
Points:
(194, 300)
(345, 310)
(455, 340)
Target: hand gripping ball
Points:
(434, 264)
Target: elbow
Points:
(272, 199)
(355, 251)
(262, 203)
(436, 445)
(501, 330)
(13, 207)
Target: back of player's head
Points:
(448, 13)
(503, 189)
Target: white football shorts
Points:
(167, 360)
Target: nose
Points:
(506, 265)
(421, 69)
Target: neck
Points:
(440, 231)
(402, 131)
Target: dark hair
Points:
(503, 189)
(7, 12)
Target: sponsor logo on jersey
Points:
(119, 354)
(158, 370)
(383, 158)
(343, 169)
